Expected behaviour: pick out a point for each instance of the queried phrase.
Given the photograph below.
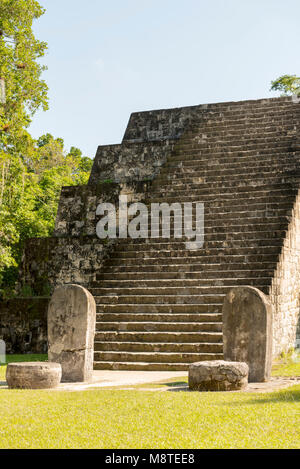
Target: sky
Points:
(109, 58)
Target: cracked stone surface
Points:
(247, 331)
(33, 375)
(71, 330)
(218, 375)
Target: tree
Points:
(20, 70)
(31, 196)
(287, 84)
(32, 172)
(23, 92)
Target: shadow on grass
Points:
(176, 386)
(273, 397)
(173, 384)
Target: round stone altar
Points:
(33, 375)
(218, 375)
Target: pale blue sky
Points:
(108, 58)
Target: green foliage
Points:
(32, 172)
(31, 186)
(287, 84)
(25, 91)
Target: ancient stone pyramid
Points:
(158, 304)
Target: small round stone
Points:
(218, 375)
(33, 375)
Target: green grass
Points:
(21, 358)
(134, 419)
(128, 419)
(287, 365)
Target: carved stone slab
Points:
(247, 331)
(71, 330)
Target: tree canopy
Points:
(287, 84)
(32, 172)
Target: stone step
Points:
(209, 148)
(178, 283)
(196, 270)
(212, 135)
(251, 126)
(240, 124)
(154, 299)
(240, 197)
(199, 160)
(204, 158)
(160, 308)
(239, 181)
(239, 209)
(192, 260)
(202, 194)
(161, 336)
(235, 231)
(182, 177)
(216, 275)
(201, 177)
(151, 357)
(226, 167)
(229, 113)
(243, 127)
(213, 148)
(213, 246)
(172, 253)
(244, 184)
(159, 347)
(228, 163)
(177, 233)
(211, 213)
(216, 270)
(140, 326)
(143, 366)
(221, 236)
(157, 317)
(159, 291)
(217, 124)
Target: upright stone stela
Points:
(71, 330)
(247, 331)
(159, 305)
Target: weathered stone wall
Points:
(48, 262)
(161, 124)
(23, 325)
(148, 141)
(130, 162)
(285, 289)
(76, 214)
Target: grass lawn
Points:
(135, 419)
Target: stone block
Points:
(33, 375)
(218, 375)
(247, 331)
(71, 330)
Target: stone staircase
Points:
(159, 305)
